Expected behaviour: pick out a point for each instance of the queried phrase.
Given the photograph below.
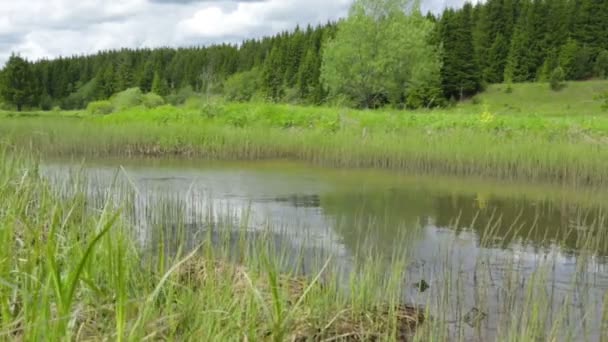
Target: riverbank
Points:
(479, 142)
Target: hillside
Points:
(577, 98)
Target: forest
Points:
(496, 41)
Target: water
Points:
(483, 239)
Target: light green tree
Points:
(380, 53)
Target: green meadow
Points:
(528, 133)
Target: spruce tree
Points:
(460, 72)
(272, 75)
(159, 85)
(17, 83)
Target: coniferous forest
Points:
(493, 42)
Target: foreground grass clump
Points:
(69, 272)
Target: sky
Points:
(51, 28)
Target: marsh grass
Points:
(509, 153)
(73, 266)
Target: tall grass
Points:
(459, 151)
(72, 266)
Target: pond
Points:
(482, 239)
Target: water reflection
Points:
(485, 239)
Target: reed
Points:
(79, 264)
(438, 144)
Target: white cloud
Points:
(51, 28)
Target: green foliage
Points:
(601, 64)
(557, 79)
(460, 73)
(182, 96)
(100, 107)
(514, 40)
(243, 86)
(373, 62)
(129, 98)
(159, 85)
(81, 97)
(272, 75)
(151, 100)
(604, 98)
(17, 83)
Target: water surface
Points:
(486, 239)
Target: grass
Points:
(69, 271)
(72, 267)
(543, 140)
(576, 99)
(565, 150)
(82, 266)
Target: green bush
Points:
(604, 98)
(181, 96)
(100, 107)
(557, 79)
(151, 100)
(601, 65)
(82, 96)
(126, 99)
(243, 86)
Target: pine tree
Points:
(17, 83)
(518, 65)
(460, 72)
(159, 85)
(601, 65)
(308, 76)
(272, 75)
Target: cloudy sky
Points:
(52, 28)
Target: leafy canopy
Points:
(381, 53)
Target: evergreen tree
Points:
(272, 75)
(460, 72)
(159, 85)
(17, 83)
(601, 64)
(308, 77)
(518, 65)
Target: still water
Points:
(484, 239)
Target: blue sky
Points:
(51, 28)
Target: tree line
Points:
(385, 52)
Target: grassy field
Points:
(532, 134)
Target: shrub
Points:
(604, 98)
(151, 100)
(601, 64)
(181, 96)
(100, 107)
(557, 79)
(82, 96)
(243, 86)
(129, 98)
